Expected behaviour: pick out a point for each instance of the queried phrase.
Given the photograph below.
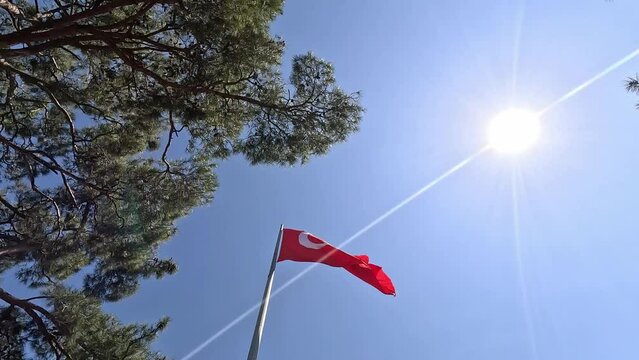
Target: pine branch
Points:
(36, 313)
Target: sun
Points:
(513, 131)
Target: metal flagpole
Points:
(259, 325)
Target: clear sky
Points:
(432, 74)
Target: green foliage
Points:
(632, 85)
(12, 326)
(96, 335)
(94, 96)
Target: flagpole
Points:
(261, 317)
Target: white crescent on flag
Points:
(305, 242)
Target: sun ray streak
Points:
(590, 81)
(521, 277)
(352, 238)
(222, 331)
(516, 46)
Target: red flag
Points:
(298, 245)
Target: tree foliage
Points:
(632, 85)
(93, 94)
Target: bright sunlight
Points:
(513, 131)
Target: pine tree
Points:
(632, 85)
(93, 94)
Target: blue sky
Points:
(432, 74)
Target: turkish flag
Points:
(298, 245)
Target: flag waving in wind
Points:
(298, 245)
